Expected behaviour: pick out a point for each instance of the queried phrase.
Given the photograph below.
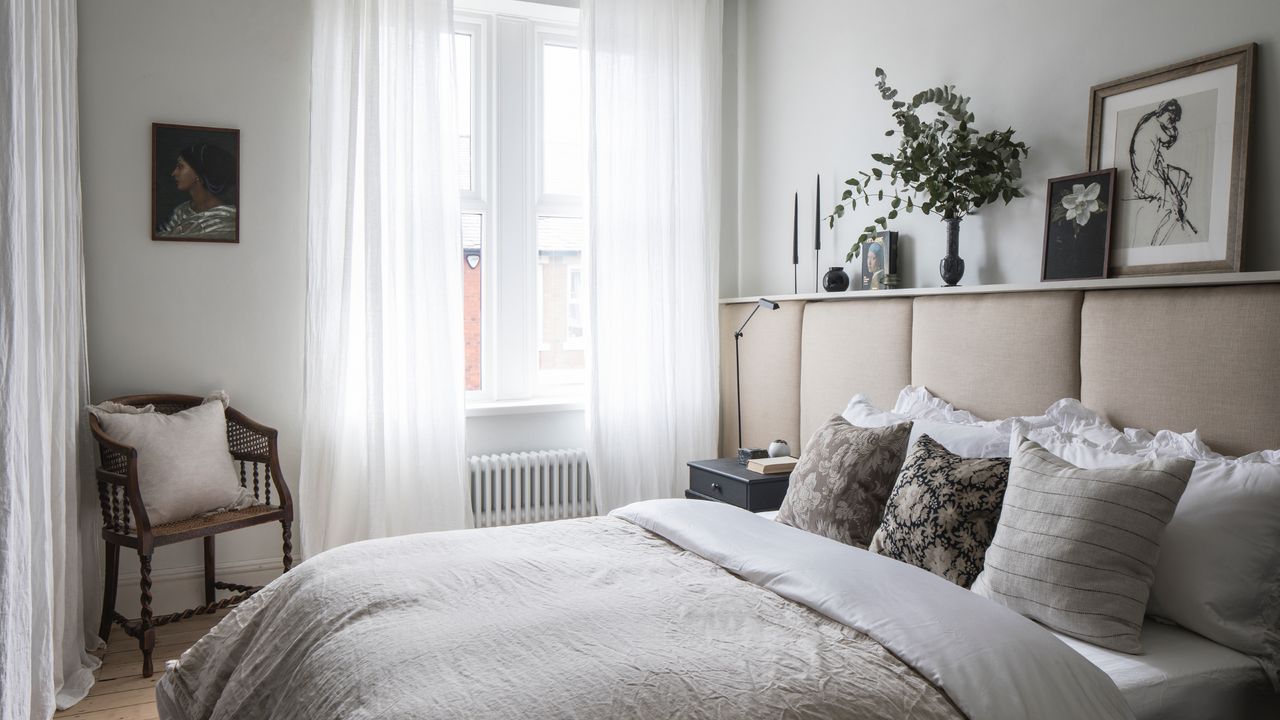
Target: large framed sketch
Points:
(1178, 138)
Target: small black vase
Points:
(951, 266)
(836, 280)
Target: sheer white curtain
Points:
(653, 88)
(48, 568)
(382, 446)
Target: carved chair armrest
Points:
(251, 441)
(117, 473)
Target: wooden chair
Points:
(252, 446)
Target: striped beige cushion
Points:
(1076, 549)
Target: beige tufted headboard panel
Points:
(1205, 357)
(1187, 358)
(839, 358)
(998, 355)
(770, 376)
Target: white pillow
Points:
(970, 440)
(1219, 568)
(1070, 416)
(184, 463)
(918, 402)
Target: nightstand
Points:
(726, 481)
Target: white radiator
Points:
(528, 487)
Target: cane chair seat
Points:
(215, 523)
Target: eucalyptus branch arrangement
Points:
(942, 166)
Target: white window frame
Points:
(507, 189)
(580, 342)
(479, 198)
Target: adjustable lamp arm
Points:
(763, 303)
(737, 363)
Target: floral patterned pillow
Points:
(839, 486)
(943, 511)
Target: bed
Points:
(679, 608)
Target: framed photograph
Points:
(1178, 139)
(879, 269)
(1077, 225)
(195, 183)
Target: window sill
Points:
(525, 407)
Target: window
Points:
(521, 170)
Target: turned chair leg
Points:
(109, 585)
(287, 532)
(147, 634)
(208, 570)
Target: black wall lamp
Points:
(745, 454)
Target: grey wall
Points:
(807, 104)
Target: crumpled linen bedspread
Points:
(588, 618)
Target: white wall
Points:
(192, 317)
(808, 104)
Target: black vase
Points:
(952, 265)
(836, 280)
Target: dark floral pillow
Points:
(943, 511)
(840, 484)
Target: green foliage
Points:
(942, 166)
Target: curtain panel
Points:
(48, 566)
(383, 425)
(653, 86)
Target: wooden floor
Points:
(121, 693)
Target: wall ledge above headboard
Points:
(1120, 283)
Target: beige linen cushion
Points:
(942, 511)
(1076, 549)
(184, 463)
(839, 487)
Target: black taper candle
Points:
(817, 215)
(795, 233)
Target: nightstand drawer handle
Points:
(716, 487)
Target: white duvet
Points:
(631, 615)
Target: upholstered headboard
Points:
(1182, 357)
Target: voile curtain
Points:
(383, 426)
(653, 87)
(48, 569)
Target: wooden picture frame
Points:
(1078, 218)
(1178, 137)
(195, 183)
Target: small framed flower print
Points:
(1077, 227)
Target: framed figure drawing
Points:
(1077, 227)
(1178, 138)
(195, 174)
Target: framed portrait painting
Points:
(1178, 139)
(1079, 211)
(879, 267)
(195, 183)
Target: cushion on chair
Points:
(184, 463)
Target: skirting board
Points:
(174, 589)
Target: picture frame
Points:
(1178, 138)
(195, 183)
(878, 269)
(1079, 215)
